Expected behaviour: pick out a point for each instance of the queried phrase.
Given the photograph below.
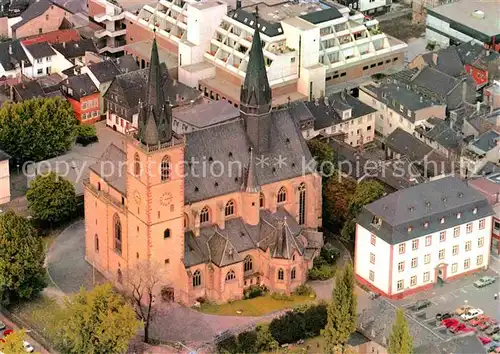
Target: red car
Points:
(450, 322)
(476, 321)
(484, 325)
(485, 340)
(7, 332)
(459, 327)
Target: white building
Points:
(413, 238)
(4, 178)
(370, 7)
(44, 60)
(306, 46)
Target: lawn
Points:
(39, 314)
(254, 307)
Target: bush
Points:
(304, 290)
(228, 345)
(281, 297)
(247, 342)
(265, 341)
(322, 272)
(329, 255)
(254, 291)
(86, 134)
(315, 318)
(201, 299)
(289, 328)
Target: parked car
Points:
(28, 348)
(2, 326)
(443, 316)
(484, 340)
(450, 322)
(7, 332)
(459, 327)
(484, 281)
(483, 325)
(477, 321)
(421, 304)
(496, 337)
(492, 330)
(462, 309)
(469, 315)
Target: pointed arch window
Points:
(261, 200)
(204, 215)
(118, 234)
(248, 264)
(197, 278)
(281, 274)
(230, 275)
(229, 208)
(120, 276)
(166, 233)
(137, 164)
(302, 204)
(293, 274)
(165, 169)
(186, 221)
(282, 195)
(96, 240)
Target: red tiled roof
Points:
(60, 36)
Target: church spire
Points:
(256, 91)
(250, 183)
(154, 109)
(256, 96)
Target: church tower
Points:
(155, 185)
(256, 96)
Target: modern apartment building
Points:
(419, 8)
(110, 40)
(307, 46)
(369, 7)
(464, 21)
(416, 237)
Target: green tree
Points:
(325, 156)
(13, 343)
(22, 275)
(366, 192)
(51, 198)
(265, 341)
(341, 319)
(337, 194)
(98, 321)
(247, 342)
(400, 340)
(37, 129)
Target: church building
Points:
(219, 209)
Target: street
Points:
(12, 326)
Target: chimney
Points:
(478, 106)
(326, 100)
(22, 67)
(421, 99)
(177, 98)
(10, 49)
(464, 91)
(435, 58)
(64, 44)
(238, 4)
(497, 198)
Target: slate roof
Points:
(286, 143)
(4, 156)
(75, 49)
(81, 85)
(8, 60)
(36, 9)
(437, 203)
(126, 64)
(40, 50)
(448, 61)
(111, 165)
(278, 232)
(268, 28)
(487, 141)
(317, 17)
(133, 87)
(30, 89)
(441, 132)
(435, 81)
(328, 112)
(406, 144)
(104, 71)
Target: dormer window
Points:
(347, 114)
(474, 211)
(377, 221)
(459, 215)
(410, 228)
(442, 220)
(426, 225)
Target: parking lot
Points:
(451, 296)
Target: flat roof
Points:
(143, 49)
(480, 15)
(206, 114)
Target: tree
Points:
(325, 156)
(51, 198)
(13, 343)
(37, 129)
(98, 321)
(22, 275)
(400, 340)
(143, 279)
(337, 195)
(366, 192)
(341, 320)
(247, 342)
(265, 341)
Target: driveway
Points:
(65, 261)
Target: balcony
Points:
(107, 33)
(115, 16)
(117, 46)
